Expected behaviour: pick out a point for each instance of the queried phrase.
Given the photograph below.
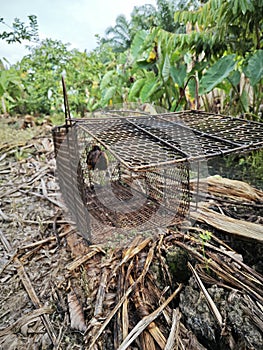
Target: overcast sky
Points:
(71, 21)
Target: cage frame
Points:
(81, 215)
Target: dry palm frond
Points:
(146, 321)
(224, 223)
(173, 339)
(77, 320)
(210, 302)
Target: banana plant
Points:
(212, 33)
(254, 72)
(160, 70)
(9, 88)
(115, 82)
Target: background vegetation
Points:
(148, 58)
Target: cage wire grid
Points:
(147, 184)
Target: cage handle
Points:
(68, 120)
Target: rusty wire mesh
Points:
(150, 158)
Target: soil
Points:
(58, 293)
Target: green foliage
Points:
(178, 74)
(136, 88)
(148, 58)
(83, 75)
(10, 88)
(137, 44)
(220, 28)
(165, 15)
(205, 237)
(216, 73)
(166, 70)
(41, 76)
(143, 17)
(221, 25)
(148, 89)
(254, 69)
(108, 94)
(119, 36)
(246, 167)
(20, 31)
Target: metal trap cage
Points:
(150, 160)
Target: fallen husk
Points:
(227, 189)
(244, 229)
(235, 189)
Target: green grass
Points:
(11, 132)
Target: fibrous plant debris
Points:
(185, 289)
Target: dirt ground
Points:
(199, 288)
